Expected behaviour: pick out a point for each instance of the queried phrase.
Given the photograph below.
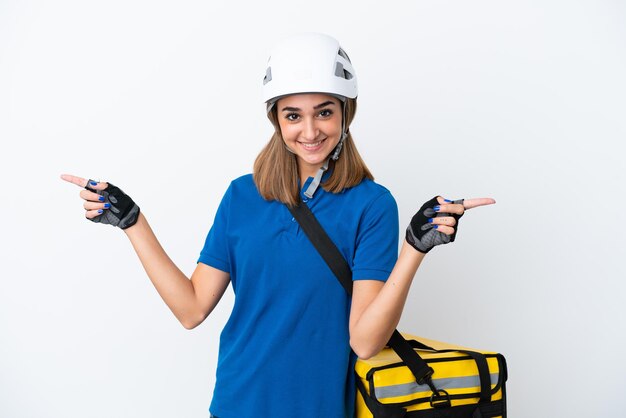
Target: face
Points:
(311, 127)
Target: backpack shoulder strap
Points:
(323, 244)
(339, 266)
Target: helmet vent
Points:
(342, 72)
(268, 76)
(343, 54)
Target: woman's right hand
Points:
(105, 203)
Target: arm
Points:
(191, 301)
(377, 306)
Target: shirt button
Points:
(305, 200)
(293, 219)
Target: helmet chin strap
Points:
(318, 176)
(316, 180)
(344, 134)
(339, 147)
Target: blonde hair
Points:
(276, 169)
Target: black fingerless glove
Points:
(122, 213)
(421, 234)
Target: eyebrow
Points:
(297, 109)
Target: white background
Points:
(520, 101)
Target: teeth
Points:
(311, 144)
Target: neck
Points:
(307, 171)
(305, 174)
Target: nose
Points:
(310, 130)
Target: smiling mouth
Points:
(311, 145)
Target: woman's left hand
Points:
(437, 221)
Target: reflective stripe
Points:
(444, 383)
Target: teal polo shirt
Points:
(285, 350)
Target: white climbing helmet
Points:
(308, 63)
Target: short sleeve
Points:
(215, 252)
(377, 240)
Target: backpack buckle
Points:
(440, 399)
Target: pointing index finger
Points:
(473, 203)
(79, 181)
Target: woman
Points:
(290, 343)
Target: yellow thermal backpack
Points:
(467, 383)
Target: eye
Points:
(326, 113)
(292, 116)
